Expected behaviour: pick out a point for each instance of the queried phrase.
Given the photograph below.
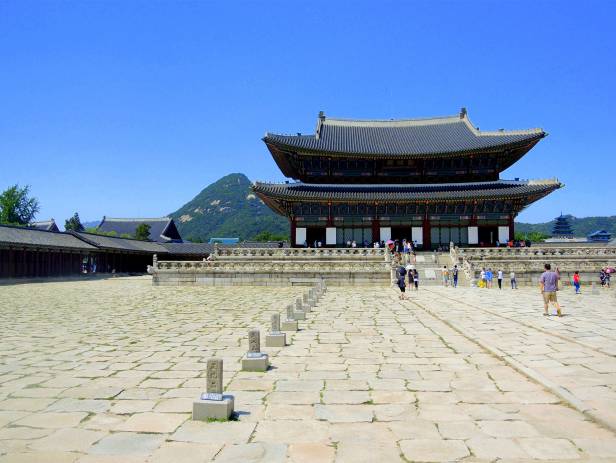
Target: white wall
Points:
(473, 235)
(385, 234)
(503, 234)
(417, 235)
(330, 235)
(300, 236)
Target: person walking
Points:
(402, 282)
(548, 283)
(482, 279)
(445, 274)
(489, 277)
(454, 271)
(576, 282)
(499, 277)
(514, 283)
(416, 279)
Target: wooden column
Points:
(293, 227)
(427, 239)
(511, 227)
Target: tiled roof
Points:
(162, 229)
(206, 248)
(408, 192)
(49, 225)
(413, 137)
(125, 244)
(35, 238)
(191, 249)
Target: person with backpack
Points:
(445, 274)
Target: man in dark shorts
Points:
(549, 285)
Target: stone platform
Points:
(278, 267)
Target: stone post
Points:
(255, 360)
(290, 324)
(299, 313)
(213, 404)
(275, 338)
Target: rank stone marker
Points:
(299, 313)
(300, 307)
(255, 360)
(290, 324)
(275, 338)
(213, 405)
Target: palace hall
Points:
(433, 181)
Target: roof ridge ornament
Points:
(463, 112)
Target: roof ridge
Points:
(391, 122)
(135, 219)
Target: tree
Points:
(142, 232)
(269, 236)
(73, 224)
(16, 207)
(534, 237)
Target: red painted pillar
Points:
(511, 227)
(376, 230)
(427, 240)
(293, 226)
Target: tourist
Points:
(348, 243)
(514, 283)
(353, 244)
(489, 277)
(416, 279)
(482, 279)
(445, 276)
(499, 277)
(548, 283)
(576, 282)
(402, 281)
(602, 277)
(455, 276)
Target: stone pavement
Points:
(106, 371)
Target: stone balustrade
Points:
(298, 253)
(267, 267)
(537, 252)
(528, 263)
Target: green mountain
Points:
(581, 226)
(228, 208)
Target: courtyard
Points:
(106, 371)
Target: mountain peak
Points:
(227, 208)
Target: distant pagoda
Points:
(434, 181)
(562, 228)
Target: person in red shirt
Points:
(576, 282)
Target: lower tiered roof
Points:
(501, 189)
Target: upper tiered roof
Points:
(408, 138)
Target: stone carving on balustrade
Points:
(297, 252)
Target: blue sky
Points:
(127, 108)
